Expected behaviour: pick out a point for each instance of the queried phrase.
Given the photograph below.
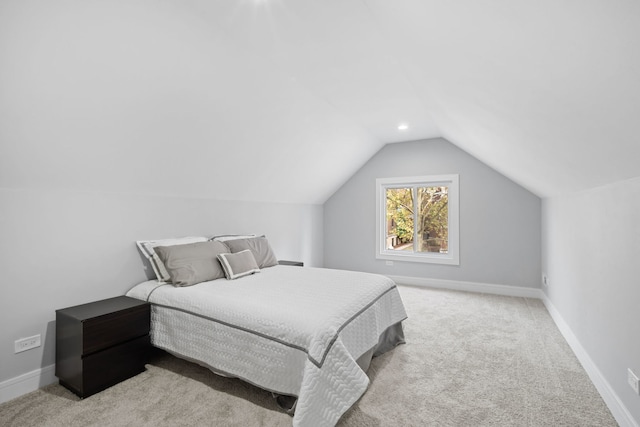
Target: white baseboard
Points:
(485, 288)
(26, 383)
(615, 405)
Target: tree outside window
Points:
(418, 219)
(431, 214)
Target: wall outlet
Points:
(24, 344)
(545, 281)
(389, 263)
(633, 381)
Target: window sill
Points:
(429, 258)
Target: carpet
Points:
(470, 360)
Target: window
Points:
(417, 219)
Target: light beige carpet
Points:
(470, 360)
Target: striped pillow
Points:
(239, 264)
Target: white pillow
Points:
(146, 248)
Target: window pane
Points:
(433, 219)
(399, 219)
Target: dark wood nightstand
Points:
(101, 343)
(294, 263)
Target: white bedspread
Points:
(292, 330)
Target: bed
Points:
(303, 332)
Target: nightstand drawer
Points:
(113, 328)
(109, 367)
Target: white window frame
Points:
(452, 182)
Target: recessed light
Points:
(403, 126)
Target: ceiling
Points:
(283, 100)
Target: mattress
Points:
(294, 331)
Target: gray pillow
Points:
(192, 263)
(152, 259)
(238, 264)
(260, 248)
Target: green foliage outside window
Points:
(432, 218)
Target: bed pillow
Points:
(238, 264)
(192, 263)
(226, 237)
(260, 248)
(146, 247)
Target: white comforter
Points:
(292, 330)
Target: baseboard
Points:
(615, 405)
(485, 288)
(26, 383)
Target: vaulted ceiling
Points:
(283, 100)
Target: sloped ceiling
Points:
(283, 100)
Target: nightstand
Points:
(294, 263)
(101, 343)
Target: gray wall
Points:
(591, 253)
(61, 248)
(499, 220)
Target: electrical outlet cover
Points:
(25, 344)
